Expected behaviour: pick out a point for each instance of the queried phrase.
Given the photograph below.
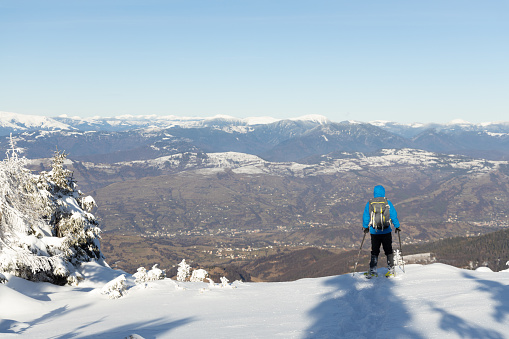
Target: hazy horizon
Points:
(397, 60)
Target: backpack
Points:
(380, 213)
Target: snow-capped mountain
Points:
(15, 123)
(127, 138)
(412, 130)
(128, 122)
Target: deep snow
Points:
(433, 301)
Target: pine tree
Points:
(71, 217)
(183, 270)
(46, 228)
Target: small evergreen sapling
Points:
(156, 273)
(398, 260)
(183, 271)
(116, 288)
(142, 276)
(199, 275)
(224, 282)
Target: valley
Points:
(225, 217)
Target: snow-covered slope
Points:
(434, 301)
(15, 122)
(251, 164)
(499, 128)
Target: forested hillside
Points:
(490, 250)
(286, 263)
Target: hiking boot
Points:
(390, 261)
(373, 264)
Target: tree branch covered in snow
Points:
(46, 228)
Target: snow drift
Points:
(434, 301)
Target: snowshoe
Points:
(371, 273)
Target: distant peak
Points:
(383, 123)
(313, 118)
(222, 117)
(27, 121)
(260, 120)
(459, 122)
(380, 122)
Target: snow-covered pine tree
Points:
(116, 288)
(183, 271)
(224, 282)
(199, 275)
(398, 259)
(142, 276)
(71, 218)
(46, 228)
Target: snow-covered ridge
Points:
(250, 164)
(320, 119)
(225, 123)
(14, 122)
(22, 122)
(455, 122)
(261, 120)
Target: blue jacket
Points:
(379, 191)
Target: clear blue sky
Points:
(405, 61)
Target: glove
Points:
(397, 229)
(365, 229)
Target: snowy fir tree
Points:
(183, 270)
(199, 275)
(398, 259)
(46, 228)
(142, 276)
(116, 288)
(224, 282)
(156, 273)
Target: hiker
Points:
(378, 217)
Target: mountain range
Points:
(129, 138)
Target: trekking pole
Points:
(358, 255)
(401, 251)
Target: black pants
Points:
(381, 239)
